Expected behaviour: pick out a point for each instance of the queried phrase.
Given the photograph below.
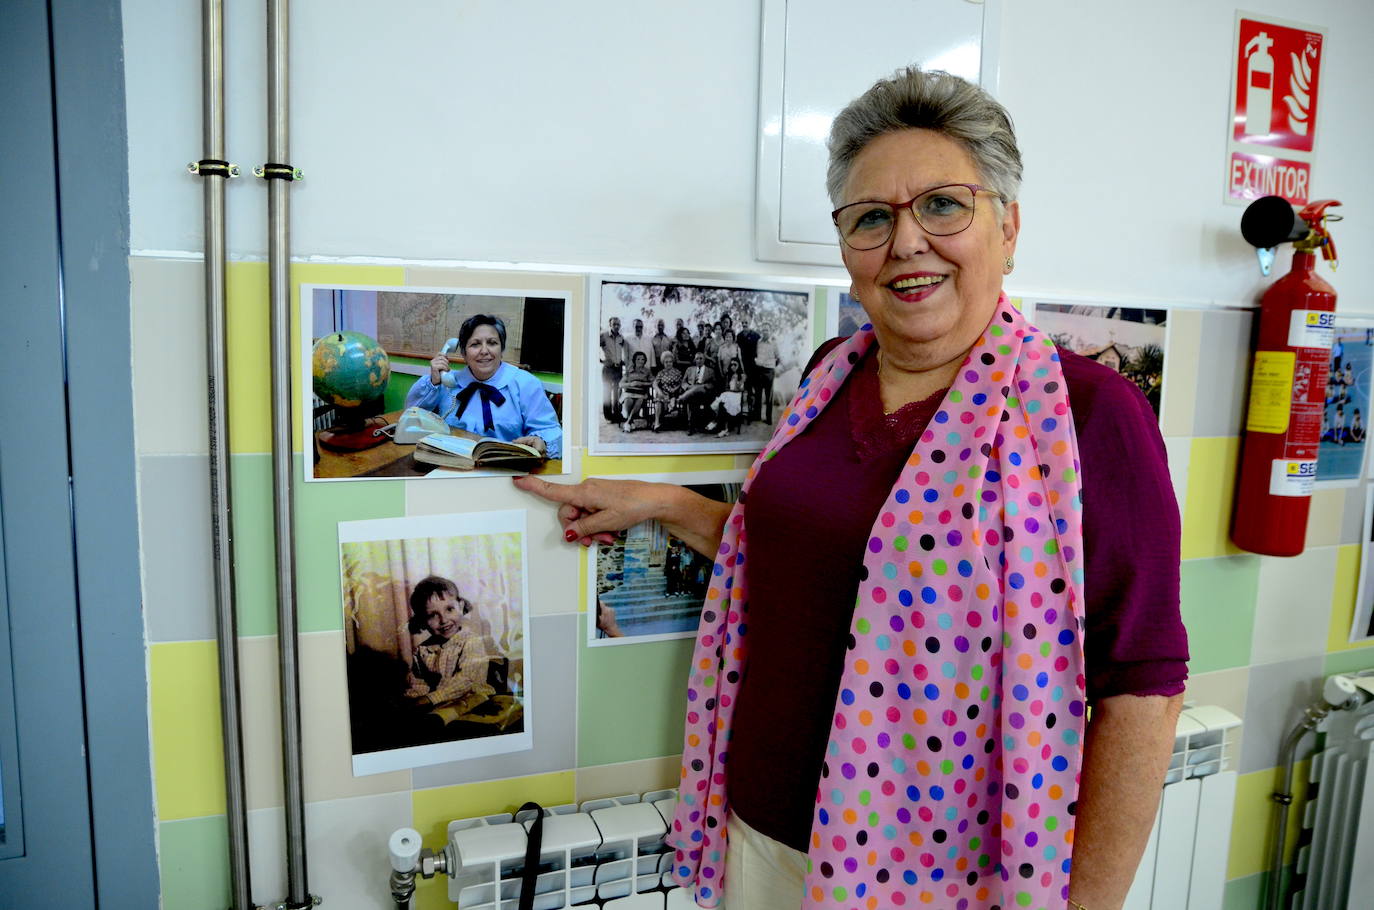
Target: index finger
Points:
(553, 492)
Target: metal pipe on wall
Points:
(226, 624)
(279, 276)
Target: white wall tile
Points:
(1293, 608)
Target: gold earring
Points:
(1009, 264)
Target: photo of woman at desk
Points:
(488, 396)
(461, 382)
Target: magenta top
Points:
(820, 497)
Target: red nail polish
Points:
(570, 535)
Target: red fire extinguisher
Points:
(1283, 424)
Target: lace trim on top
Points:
(874, 432)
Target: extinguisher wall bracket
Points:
(1272, 220)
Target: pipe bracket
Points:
(213, 167)
(273, 171)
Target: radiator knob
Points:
(405, 847)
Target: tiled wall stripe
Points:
(192, 854)
(1251, 825)
(1293, 606)
(1218, 601)
(188, 759)
(631, 699)
(608, 719)
(1207, 507)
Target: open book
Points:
(470, 451)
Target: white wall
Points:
(615, 133)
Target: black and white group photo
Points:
(693, 368)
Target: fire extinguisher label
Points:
(1271, 392)
(1292, 478)
(1311, 329)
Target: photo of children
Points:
(436, 631)
(384, 367)
(1130, 340)
(1345, 411)
(688, 368)
(648, 585)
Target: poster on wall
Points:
(680, 367)
(433, 382)
(1133, 341)
(436, 638)
(1345, 414)
(649, 585)
(1275, 79)
(1362, 627)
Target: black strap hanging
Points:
(533, 842)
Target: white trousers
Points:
(761, 873)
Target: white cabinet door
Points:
(816, 57)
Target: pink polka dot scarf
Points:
(952, 767)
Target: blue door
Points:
(75, 795)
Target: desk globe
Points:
(349, 371)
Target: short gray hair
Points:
(935, 100)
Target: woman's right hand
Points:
(438, 367)
(593, 510)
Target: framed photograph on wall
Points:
(681, 367)
(648, 585)
(1345, 415)
(434, 382)
(436, 632)
(1133, 341)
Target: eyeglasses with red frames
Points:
(940, 211)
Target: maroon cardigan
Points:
(809, 514)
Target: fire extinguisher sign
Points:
(1274, 90)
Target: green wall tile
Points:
(1244, 893)
(1219, 610)
(319, 509)
(1349, 661)
(631, 699)
(194, 857)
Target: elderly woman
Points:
(488, 396)
(958, 538)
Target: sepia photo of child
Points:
(436, 632)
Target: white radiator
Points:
(610, 852)
(606, 851)
(1184, 866)
(1335, 861)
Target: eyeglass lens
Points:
(941, 211)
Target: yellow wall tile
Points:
(435, 808)
(1211, 488)
(1254, 818)
(248, 336)
(612, 465)
(188, 747)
